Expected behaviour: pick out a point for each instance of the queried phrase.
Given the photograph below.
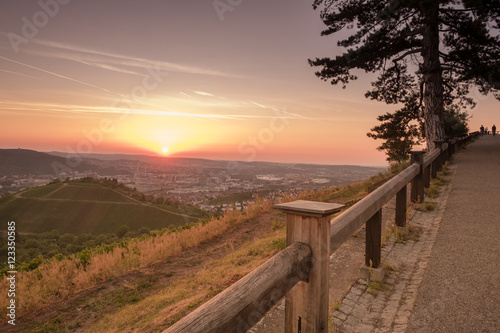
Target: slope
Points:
(84, 208)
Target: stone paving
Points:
(386, 306)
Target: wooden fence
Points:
(301, 270)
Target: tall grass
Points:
(55, 279)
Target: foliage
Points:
(449, 46)
(404, 129)
(401, 130)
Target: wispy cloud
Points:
(54, 74)
(114, 61)
(15, 106)
(19, 74)
(202, 93)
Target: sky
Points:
(216, 79)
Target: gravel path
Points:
(460, 291)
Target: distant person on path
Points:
(486, 130)
(493, 129)
(482, 129)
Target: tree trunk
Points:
(431, 72)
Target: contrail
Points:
(15, 73)
(55, 74)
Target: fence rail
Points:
(301, 270)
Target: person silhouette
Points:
(493, 129)
(482, 129)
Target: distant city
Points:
(210, 185)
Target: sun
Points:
(164, 150)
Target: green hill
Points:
(79, 208)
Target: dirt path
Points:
(81, 310)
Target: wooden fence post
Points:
(401, 207)
(448, 151)
(417, 185)
(374, 240)
(438, 162)
(427, 176)
(306, 304)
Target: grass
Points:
(92, 192)
(81, 217)
(432, 191)
(400, 236)
(426, 206)
(40, 191)
(176, 300)
(374, 287)
(389, 267)
(56, 279)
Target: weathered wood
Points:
(401, 206)
(344, 225)
(417, 185)
(309, 208)
(306, 305)
(239, 307)
(374, 240)
(431, 157)
(440, 159)
(434, 168)
(427, 176)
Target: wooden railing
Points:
(301, 270)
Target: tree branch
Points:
(404, 55)
(449, 9)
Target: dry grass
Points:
(54, 280)
(167, 306)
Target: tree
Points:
(450, 45)
(122, 231)
(400, 131)
(405, 128)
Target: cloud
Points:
(18, 106)
(19, 74)
(202, 93)
(54, 74)
(114, 61)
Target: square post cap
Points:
(309, 208)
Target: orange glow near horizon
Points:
(239, 91)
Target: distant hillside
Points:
(80, 208)
(23, 161)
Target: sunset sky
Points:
(183, 78)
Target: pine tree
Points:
(448, 46)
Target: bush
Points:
(122, 231)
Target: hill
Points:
(78, 207)
(30, 162)
(22, 161)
